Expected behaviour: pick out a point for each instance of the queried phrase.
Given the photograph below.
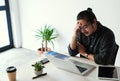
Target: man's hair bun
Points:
(89, 9)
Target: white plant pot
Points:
(38, 72)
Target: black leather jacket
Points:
(101, 44)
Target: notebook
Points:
(108, 72)
(63, 62)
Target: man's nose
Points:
(83, 30)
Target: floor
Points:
(15, 57)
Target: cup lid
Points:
(11, 69)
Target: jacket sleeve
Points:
(72, 52)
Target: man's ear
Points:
(94, 23)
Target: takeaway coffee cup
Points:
(11, 72)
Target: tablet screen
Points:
(106, 72)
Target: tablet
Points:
(108, 72)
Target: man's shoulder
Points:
(108, 31)
(103, 28)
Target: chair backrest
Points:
(116, 52)
(113, 55)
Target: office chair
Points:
(113, 55)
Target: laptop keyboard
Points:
(81, 69)
(76, 62)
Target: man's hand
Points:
(77, 29)
(81, 49)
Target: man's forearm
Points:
(73, 43)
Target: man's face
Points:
(86, 27)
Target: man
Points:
(92, 40)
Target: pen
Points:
(39, 75)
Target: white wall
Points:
(16, 25)
(62, 15)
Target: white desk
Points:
(26, 72)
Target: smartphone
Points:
(44, 61)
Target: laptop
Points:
(107, 72)
(64, 62)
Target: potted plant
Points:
(47, 35)
(38, 68)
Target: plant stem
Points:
(42, 47)
(45, 45)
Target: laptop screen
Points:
(107, 72)
(57, 55)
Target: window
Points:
(6, 38)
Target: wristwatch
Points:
(86, 55)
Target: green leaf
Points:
(46, 33)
